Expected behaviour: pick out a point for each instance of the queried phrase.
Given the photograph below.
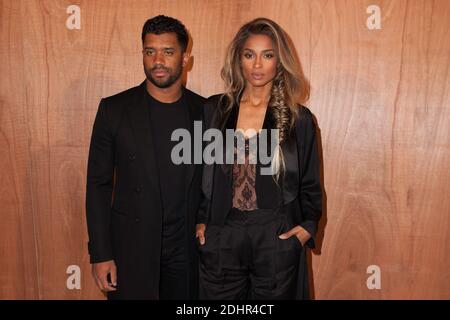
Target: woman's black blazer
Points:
(299, 191)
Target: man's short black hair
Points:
(163, 24)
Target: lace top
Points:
(244, 174)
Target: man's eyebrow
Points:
(163, 48)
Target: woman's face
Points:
(258, 60)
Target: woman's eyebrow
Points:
(265, 50)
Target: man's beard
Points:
(164, 83)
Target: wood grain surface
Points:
(381, 99)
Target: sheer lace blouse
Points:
(244, 175)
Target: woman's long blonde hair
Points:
(288, 88)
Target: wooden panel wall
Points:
(381, 98)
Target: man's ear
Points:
(186, 57)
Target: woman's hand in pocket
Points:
(301, 234)
(200, 232)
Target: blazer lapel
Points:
(194, 114)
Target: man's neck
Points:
(165, 95)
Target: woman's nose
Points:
(258, 63)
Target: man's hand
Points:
(200, 232)
(301, 234)
(100, 273)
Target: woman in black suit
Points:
(253, 227)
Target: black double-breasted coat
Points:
(123, 203)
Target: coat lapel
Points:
(194, 114)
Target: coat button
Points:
(132, 157)
(137, 189)
(137, 220)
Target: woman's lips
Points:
(257, 76)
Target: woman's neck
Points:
(257, 96)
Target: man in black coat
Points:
(140, 205)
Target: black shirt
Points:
(165, 118)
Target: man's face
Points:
(163, 59)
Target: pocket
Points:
(197, 240)
(121, 208)
(211, 234)
(298, 243)
(287, 253)
(291, 243)
(210, 251)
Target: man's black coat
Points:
(123, 203)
